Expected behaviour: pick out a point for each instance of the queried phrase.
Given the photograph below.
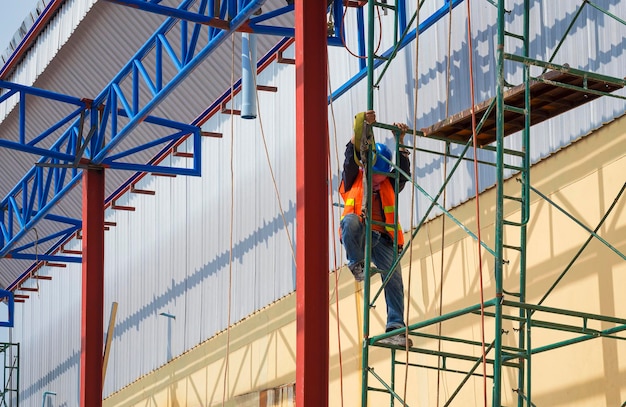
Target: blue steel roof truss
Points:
(43, 185)
(205, 15)
(113, 114)
(31, 146)
(10, 305)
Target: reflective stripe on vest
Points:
(354, 196)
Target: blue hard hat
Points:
(380, 164)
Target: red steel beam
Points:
(312, 204)
(34, 289)
(92, 317)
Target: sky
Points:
(13, 14)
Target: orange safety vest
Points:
(353, 199)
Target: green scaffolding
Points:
(9, 394)
(510, 111)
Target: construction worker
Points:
(352, 226)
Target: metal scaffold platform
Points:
(551, 94)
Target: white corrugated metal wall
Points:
(48, 44)
(173, 253)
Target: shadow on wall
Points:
(73, 362)
(547, 40)
(178, 289)
(175, 291)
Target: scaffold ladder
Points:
(9, 394)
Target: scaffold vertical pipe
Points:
(497, 364)
(370, 55)
(368, 226)
(524, 340)
(366, 293)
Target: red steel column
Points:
(92, 317)
(312, 204)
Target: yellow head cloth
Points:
(359, 120)
(359, 124)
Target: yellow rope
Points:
(336, 257)
(269, 165)
(443, 218)
(232, 216)
(412, 221)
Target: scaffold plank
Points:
(551, 94)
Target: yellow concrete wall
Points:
(583, 178)
(261, 353)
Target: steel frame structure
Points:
(89, 134)
(519, 357)
(87, 138)
(83, 144)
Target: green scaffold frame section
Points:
(507, 113)
(11, 374)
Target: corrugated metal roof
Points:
(24, 30)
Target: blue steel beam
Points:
(11, 306)
(427, 23)
(43, 186)
(53, 257)
(47, 257)
(115, 102)
(67, 232)
(181, 12)
(253, 25)
(118, 101)
(334, 39)
(127, 99)
(30, 146)
(256, 27)
(182, 130)
(16, 221)
(39, 187)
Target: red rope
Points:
(333, 229)
(343, 37)
(477, 191)
(336, 294)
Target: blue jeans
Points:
(353, 238)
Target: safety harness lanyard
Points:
(366, 137)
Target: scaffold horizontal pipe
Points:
(444, 369)
(607, 333)
(579, 223)
(564, 68)
(453, 314)
(552, 310)
(458, 340)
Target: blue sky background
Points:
(12, 14)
